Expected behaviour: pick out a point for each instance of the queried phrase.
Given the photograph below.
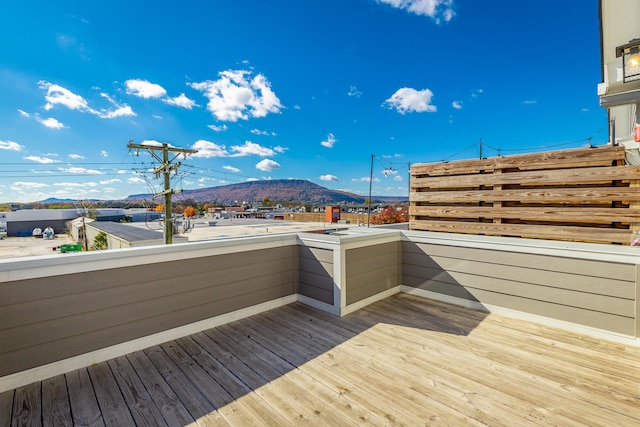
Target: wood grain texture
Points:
(402, 361)
(596, 156)
(587, 195)
(27, 406)
(554, 232)
(551, 214)
(593, 175)
(531, 196)
(82, 398)
(56, 410)
(6, 407)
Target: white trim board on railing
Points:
(54, 265)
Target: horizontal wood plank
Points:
(551, 195)
(555, 214)
(596, 156)
(559, 232)
(593, 175)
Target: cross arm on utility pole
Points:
(163, 147)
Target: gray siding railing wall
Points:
(48, 318)
(315, 273)
(371, 270)
(584, 284)
(57, 307)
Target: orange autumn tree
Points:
(189, 211)
(391, 215)
(160, 208)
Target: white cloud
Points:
(147, 90)
(152, 143)
(236, 96)
(410, 100)
(328, 177)
(120, 111)
(398, 178)
(84, 171)
(23, 113)
(181, 101)
(218, 128)
(58, 95)
(51, 123)
(477, 93)
(209, 149)
(267, 165)
(365, 179)
(437, 9)
(103, 153)
(530, 102)
(231, 169)
(144, 89)
(10, 145)
(353, 91)
(251, 148)
(204, 180)
(21, 185)
(331, 139)
(41, 160)
(263, 132)
(110, 181)
(135, 180)
(75, 184)
(76, 156)
(252, 179)
(457, 105)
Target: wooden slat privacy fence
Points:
(585, 194)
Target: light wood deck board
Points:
(402, 361)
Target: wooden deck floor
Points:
(403, 361)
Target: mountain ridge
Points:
(281, 190)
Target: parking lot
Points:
(15, 247)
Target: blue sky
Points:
(286, 89)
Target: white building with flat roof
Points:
(22, 222)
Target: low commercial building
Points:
(125, 236)
(22, 222)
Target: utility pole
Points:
(409, 184)
(165, 168)
(370, 184)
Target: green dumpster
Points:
(70, 248)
